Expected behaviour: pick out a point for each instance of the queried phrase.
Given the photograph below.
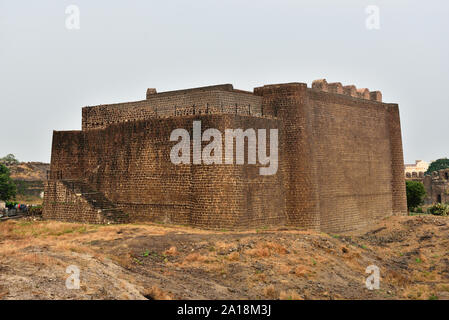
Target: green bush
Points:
(10, 204)
(439, 209)
(34, 211)
(8, 188)
(415, 194)
(437, 165)
(10, 159)
(419, 210)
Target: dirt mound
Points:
(29, 178)
(29, 171)
(172, 262)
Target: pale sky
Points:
(48, 72)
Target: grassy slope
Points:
(159, 261)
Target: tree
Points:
(415, 194)
(437, 165)
(9, 159)
(7, 187)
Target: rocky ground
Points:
(29, 178)
(151, 261)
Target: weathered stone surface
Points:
(437, 186)
(340, 160)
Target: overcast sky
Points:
(48, 72)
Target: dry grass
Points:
(266, 249)
(224, 246)
(290, 295)
(301, 271)
(283, 269)
(260, 277)
(233, 256)
(270, 292)
(419, 292)
(196, 257)
(398, 279)
(3, 292)
(273, 264)
(172, 251)
(124, 260)
(39, 259)
(275, 247)
(23, 229)
(156, 293)
(258, 252)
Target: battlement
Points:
(216, 99)
(279, 88)
(152, 92)
(349, 90)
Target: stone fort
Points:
(340, 160)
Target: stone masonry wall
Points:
(62, 203)
(340, 158)
(352, 152)
(437, 187)
(343, 162)
(222, 99)
(129, 163)
(297, 165)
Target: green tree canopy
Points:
(9, 159)
(415, 194)
(7, 187)
(438, 165)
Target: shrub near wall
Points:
(439, 209)
(415, 194)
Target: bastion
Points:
(340, 161)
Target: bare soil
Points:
(29, 171)
(151, 261)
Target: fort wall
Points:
(340, 158)
(129, 163)
(221, 99)
(437, 187)
(288, 102)
(353, 154)
(64, 201)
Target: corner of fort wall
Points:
(288, 102)
(397, 161)
(358, 152)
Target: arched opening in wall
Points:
(446, 175)
(439, 198)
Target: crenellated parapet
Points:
(363, 93)
(336, 87)
(151, 92)
(349, 90)
(320, 84)
(375, 95)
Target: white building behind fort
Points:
(419, 167)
